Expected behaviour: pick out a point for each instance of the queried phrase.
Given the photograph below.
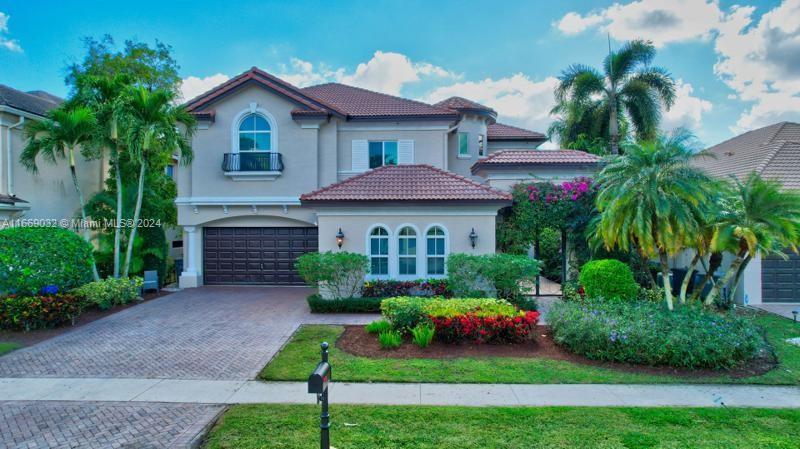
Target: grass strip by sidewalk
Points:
(7, 347)
(420, 427)
(301, 354)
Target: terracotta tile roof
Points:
(772, 151)
(461, 103)
(535, 157)
(406, 183)
(358, 103)
(499, 131)
(35, 102)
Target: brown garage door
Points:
(256, 256)
(780, 279)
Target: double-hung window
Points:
(379, 252)
(407, 251)
(382, 153)
(435, 239)
(463, 144)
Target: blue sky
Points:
(738, 66)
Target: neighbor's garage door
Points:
(257, 256)
(780, 279)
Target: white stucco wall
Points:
(473, 126)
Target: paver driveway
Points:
(224, 333)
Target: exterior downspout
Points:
(9, 167)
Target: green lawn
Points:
(5, 348)
(301, 354)
(296, 426)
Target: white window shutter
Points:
(360, 155)
(405, 151)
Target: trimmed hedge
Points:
(644, 332)
(34, 258)
(107, 293)
(420, 287)
(609, 279)
(317, 304)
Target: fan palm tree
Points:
(651, 198)
(102, 93)
(150, 121)
(628, 87)
(756, 217)
(59, 136)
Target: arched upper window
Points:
(435, 250)
(255, 134)
(407, 251)
(379, 252)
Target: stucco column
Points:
(190, 277)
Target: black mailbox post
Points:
(318, 384)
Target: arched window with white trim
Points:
(435, 254)
(379, 252)
(407, 251)
(255, 133)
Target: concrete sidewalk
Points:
(479, 395)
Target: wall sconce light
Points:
(473, 237)
(339, 238)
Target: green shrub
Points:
(390, 339)
(571, 291)
(337, 274)
(376, 327)
(33, 258)
(646, 333)
(318, 304)
(609, 279)
(38, 312)
(422, 335)
(404, 312)
(490, 275)
(107, 293)
(450, 308)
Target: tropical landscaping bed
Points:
(421, 427)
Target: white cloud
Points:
(5, 42)
(194, 86)
(656, 20)
(517, 99)
(687, 111)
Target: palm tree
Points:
(56, 137)
(150, 122)
(650, 198)
(757, 217)
(627, 88)
(102, 94)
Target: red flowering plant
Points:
(480, 321)
(38, 312)
(421, 287)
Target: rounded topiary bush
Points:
(608, 278)
(645, 332)
(33, 258)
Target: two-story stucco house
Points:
(280, 171)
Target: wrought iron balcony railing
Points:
(267, 161)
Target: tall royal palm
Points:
(757, 217)
(628, 87)
(59, 136)
(650, 199)
(150, 124)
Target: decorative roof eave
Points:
(402, 118)
(478, 166)
(406, 203)
(517, 138)
(11, 199)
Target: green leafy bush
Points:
(376, 327)
(390, 339)
(337, 274)
(609, 279)
(490, 275)
(404, 312)
(571, 291)
(38, 312)
(318, 304)
(34, 258)
(646, 333)
(422, 335)
(107, 293)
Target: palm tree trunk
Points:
(662, 257)
(688, 278)
(713, 265)
(117, 229)
(734, 268)
(739, 274)
(134, 226)
(86, 232)
(613, 124)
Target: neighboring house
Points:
(48, 194)
(280, 171)
(774, 153)
(506, 168)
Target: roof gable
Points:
(35, 102)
